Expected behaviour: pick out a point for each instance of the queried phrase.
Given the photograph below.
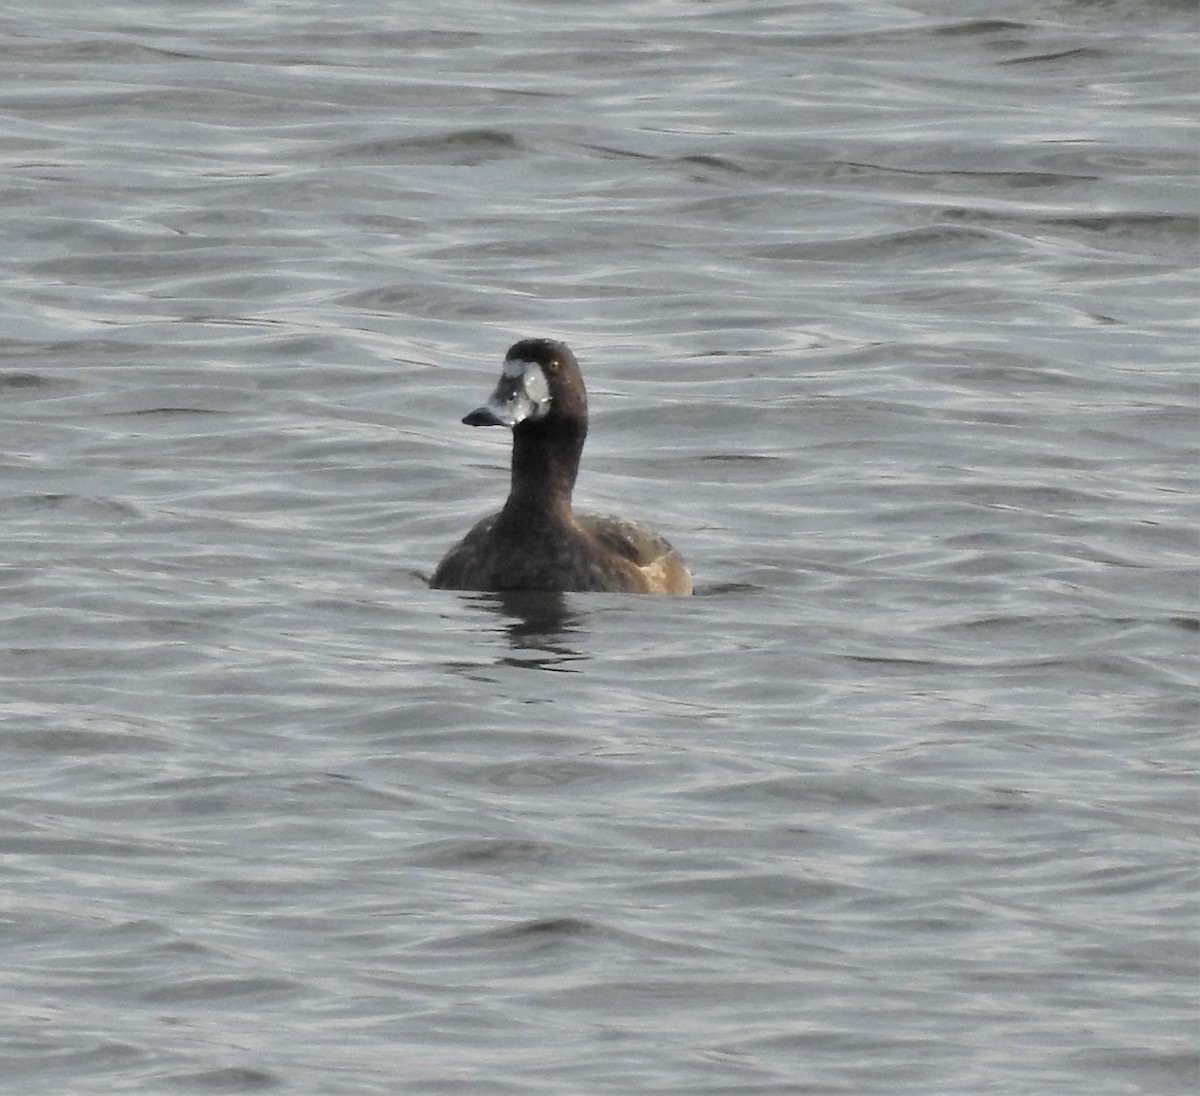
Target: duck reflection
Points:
(538, 624)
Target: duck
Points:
(537, 542)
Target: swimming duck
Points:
(536, 542)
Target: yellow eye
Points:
(552, 365)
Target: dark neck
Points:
(545, 461)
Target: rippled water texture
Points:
(887, 313)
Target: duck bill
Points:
(490, 415)
(519, 396)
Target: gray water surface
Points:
(887, 313)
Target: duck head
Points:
(540, 384)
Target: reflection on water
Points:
(538, 625)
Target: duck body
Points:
(596, 552)
(537, 542)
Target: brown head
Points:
(541, 398)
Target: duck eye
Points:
(552, 365)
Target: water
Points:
(888, 318)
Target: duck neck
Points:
(545, 462)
